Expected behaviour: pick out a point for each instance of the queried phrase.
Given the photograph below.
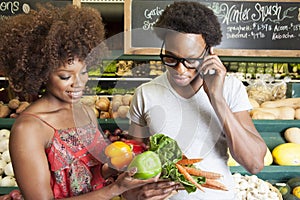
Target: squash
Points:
(257, 114)
(297, 113)
(231, 162)
(296, 191)
(292, 135)
(268, 159)
(290, 197)
(287, 154)
(293, 182)
(286, 113)
(291, 102)
(283, 188)
(254, 103)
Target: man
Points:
(195, 102)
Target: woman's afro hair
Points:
(33, 45)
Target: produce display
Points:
(289, 190)
(262, 90)
(252, 70)
(175, 166)
(12, 108)
(181, 169)
(123, 68)
(283, 109)
(287, 154)
(284, 154)
(250, 187)
(268, 159)
(7, 178)
(105, 108)
(139, 69)
(292, 134)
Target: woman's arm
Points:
(27, 150)
(28, 140)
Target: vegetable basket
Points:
(274, 189)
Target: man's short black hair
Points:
(190, 17)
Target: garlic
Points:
(252, 188)
(6, 156)
(2, 166)
(8, 169)
(8, 181)
(4, 134)
(4, 145)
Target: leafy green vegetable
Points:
(170, 153)
(167, 148)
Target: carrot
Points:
(184, 157)
(213, 184)
(189, 161)
(199, 172)
(188, 177)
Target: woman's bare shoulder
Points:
(30, 128)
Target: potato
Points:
(117, 97)
(105, 99)
(96, 111)
(292, 135)
(116, 104)
(102, 104)
(23, 105)
(13, 104)
(89, 100)
(114, 115)
(4, 111)
(104, 115)
(122, 111)
(126, 99)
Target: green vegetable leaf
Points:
(166, 147)
(170, 153)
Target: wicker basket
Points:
(274, 189)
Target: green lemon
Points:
(147, 163)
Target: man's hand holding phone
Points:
(213, 73)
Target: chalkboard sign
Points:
(250, 28)
(14, 7)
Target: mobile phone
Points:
(211, 52)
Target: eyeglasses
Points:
(190, 63)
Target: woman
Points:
(55, 144)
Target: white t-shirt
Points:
(193, 124)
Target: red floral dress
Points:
(74, 168)
(74, 160)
